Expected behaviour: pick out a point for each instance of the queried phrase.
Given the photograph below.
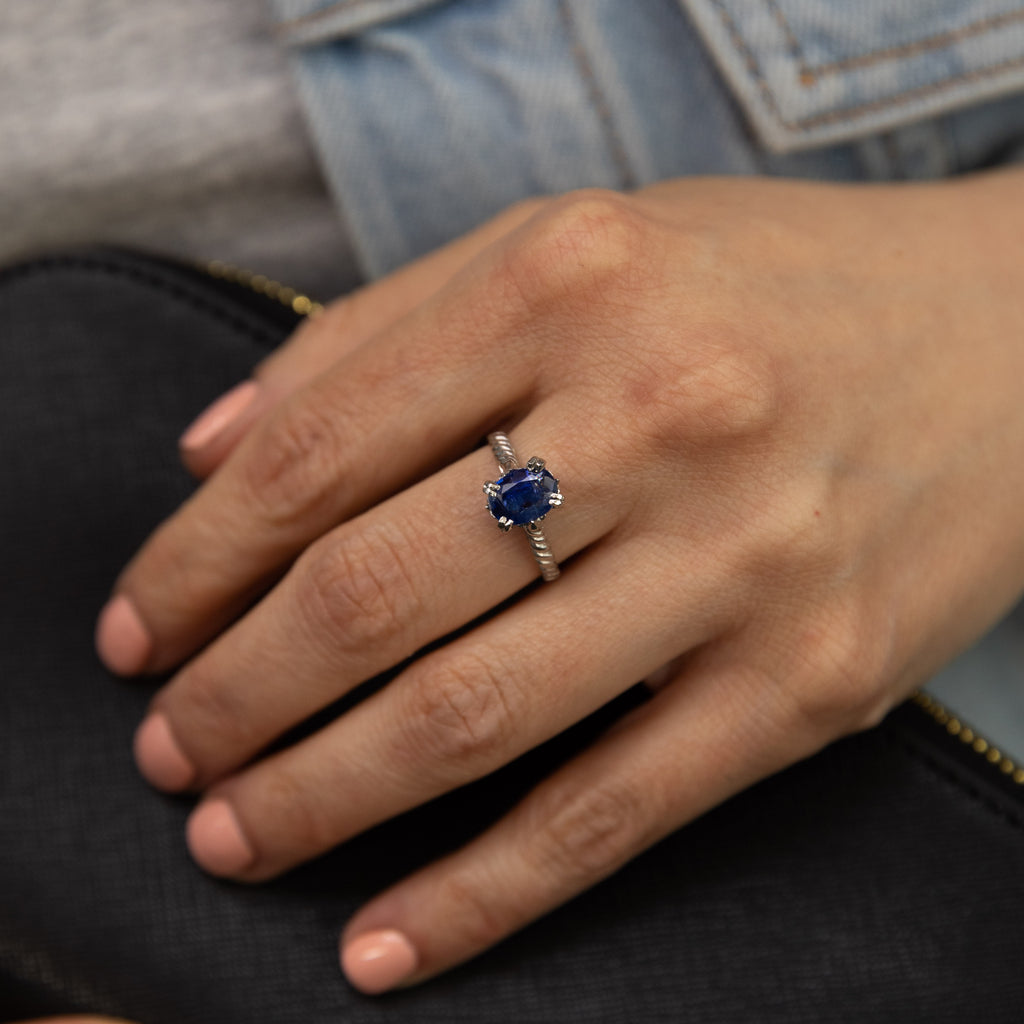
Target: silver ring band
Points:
(522, 497)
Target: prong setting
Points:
(523, 497)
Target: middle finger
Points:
(455, 715)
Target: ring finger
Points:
(362, 599)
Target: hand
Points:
(787, 422)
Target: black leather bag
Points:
(882, 880)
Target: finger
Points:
(361, 600)
(334, 332)
(709, 734)
(380, 419)
(455, 716)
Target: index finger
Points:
(338, 329)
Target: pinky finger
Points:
(665, 763)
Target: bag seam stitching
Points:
(937, 768)
(143, 276)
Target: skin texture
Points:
(786, 419)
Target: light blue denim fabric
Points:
(433, 115)
(810, 72)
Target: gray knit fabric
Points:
(172, 126)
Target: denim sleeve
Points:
(433, 115)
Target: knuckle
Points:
(839, 675)
(584, 245)
(286, 473)
(785, 540)
(172, 568)
(215, 715)
(721, 391)
(477, 914)
(523, 209)
(461, 714)
(291, 806)
(588, 834)
(361, 588)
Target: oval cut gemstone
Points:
(523, 496)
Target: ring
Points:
(523, 497)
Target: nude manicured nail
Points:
(216, 840)
(122, 641)
(219, 415)
(162, 762)
(378, 960)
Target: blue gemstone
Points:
(523, 496)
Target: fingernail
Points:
(216, 841)
(122, 641)
(216, 417)
(158, 756)
(377, 961)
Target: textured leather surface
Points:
(882, 880)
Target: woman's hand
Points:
(788, 425)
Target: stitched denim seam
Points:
(909, 96)
(792, 42)
(809, 73)
(847, 113)
(619, 153)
